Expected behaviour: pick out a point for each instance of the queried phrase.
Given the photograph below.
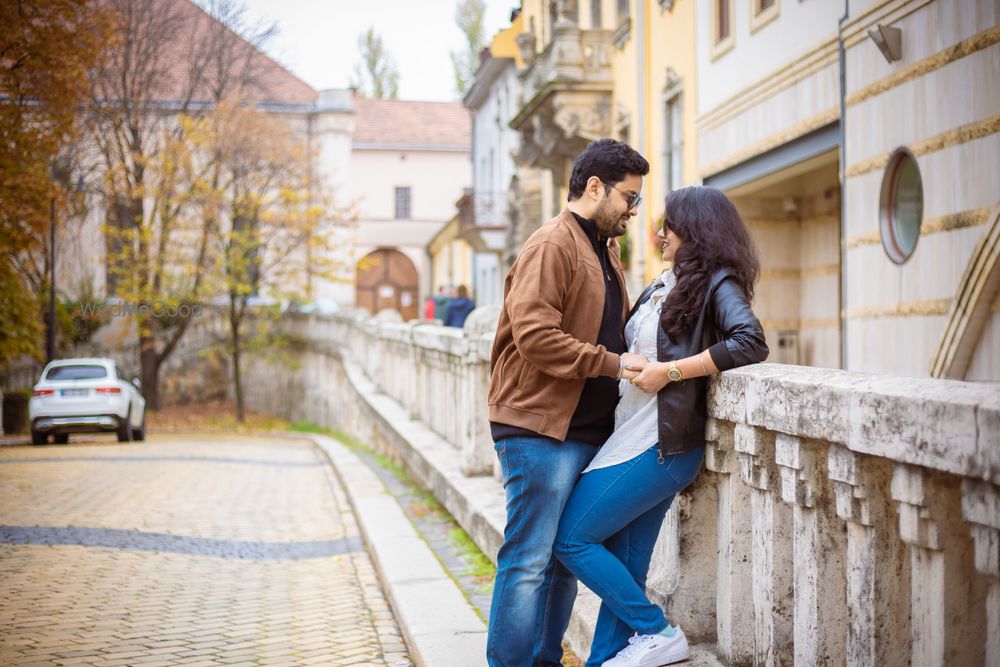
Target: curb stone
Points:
(440, 627)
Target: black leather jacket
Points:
(733, 336)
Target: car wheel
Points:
(139, 434)
(124, 427)
(39, 438)
(61, 438)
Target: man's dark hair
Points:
(609, 160)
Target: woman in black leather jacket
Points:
(692, 321)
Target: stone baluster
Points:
(477, 445)
(771, 548)
(734, 608)
(409, 371)
(874, 565)
(819, 612)
(922, 534)
(981, 508)
(942, 588)
(460, 416)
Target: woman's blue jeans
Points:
(606, 537)
(533, 593)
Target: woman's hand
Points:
(633, 364)
(653, 377)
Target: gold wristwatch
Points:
(674, 373)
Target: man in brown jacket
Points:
(558, 353)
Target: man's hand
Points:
(634, 363)
(653, 377)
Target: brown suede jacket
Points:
(545, 348)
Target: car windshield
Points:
(79, 372)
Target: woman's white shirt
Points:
(636, 426)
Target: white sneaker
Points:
(652, 651)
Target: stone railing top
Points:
(945, 425)
(483, 320)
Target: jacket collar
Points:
(590, 227)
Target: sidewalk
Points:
(180, 550)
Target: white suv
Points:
(80, 395)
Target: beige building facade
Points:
(878, 234)
(889, 269)
(409, 163)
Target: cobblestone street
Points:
(181, 550)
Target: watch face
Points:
(674, 375)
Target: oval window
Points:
(902, 206)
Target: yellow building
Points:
(610, 68)
(451, 257)
(655, 107)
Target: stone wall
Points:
(841, 517)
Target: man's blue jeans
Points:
(533, 594)
(606, 537)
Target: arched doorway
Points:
(387, 279)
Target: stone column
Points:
(734, 606)
(877, 604)
(981, 508)
(477, 450)
(414, 375)
(772, 548)
(926, 566)
(819, 612)
(943, 590)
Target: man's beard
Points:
(607, 221)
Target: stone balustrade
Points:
(841, 517)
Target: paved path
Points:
(185, 551)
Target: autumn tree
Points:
(375, 75)
(279, 227)
(469, 17)
(47, 48)
(173, 61)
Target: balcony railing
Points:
(565, 94)
(485, 209)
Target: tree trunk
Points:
(149, 373)
(149, 361)
(234, 329)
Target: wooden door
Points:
(387, 279)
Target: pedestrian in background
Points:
(441, 300)
(459, 308)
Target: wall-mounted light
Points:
(889, 41)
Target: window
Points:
(623, 12)
(81, 372)
(624, 24)
(901, 206)
(402, 203)
(762, 12)
(723, 20)
(722, 26)
(673, 143)
(595, 14)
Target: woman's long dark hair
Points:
(713, 236)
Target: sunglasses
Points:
(633, 198)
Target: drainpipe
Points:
(639, 243)
(842, 56)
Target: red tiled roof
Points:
(274, 83)
(407, 123)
